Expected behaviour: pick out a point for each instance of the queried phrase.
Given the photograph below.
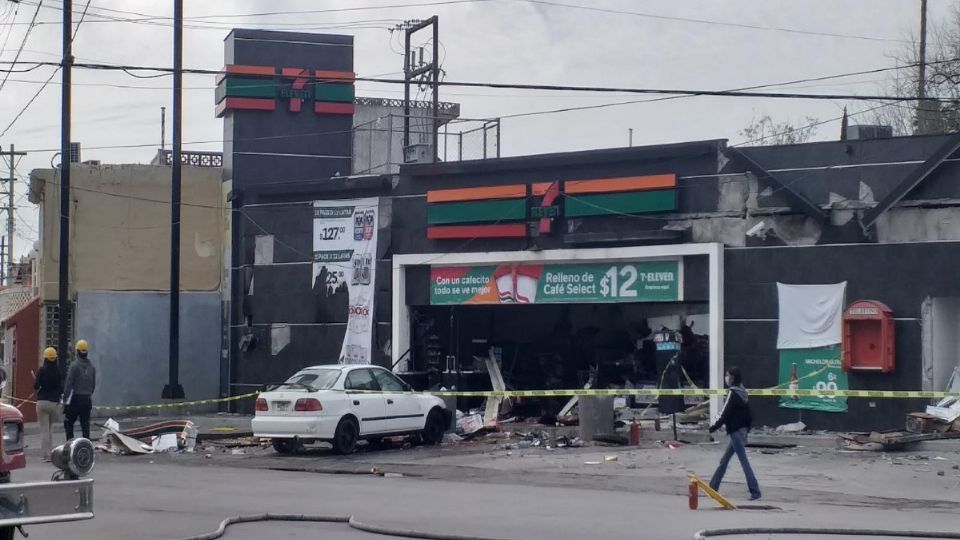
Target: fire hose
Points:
(750, 531)
(347, 520)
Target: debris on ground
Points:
(795, 427)
(169, 436)
(889, 441)
(612, 438)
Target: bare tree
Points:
(941, 112)
(765, 132)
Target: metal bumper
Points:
(45, 502)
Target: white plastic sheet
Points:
(810, 315)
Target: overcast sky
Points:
(514, 41)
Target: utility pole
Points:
(922, 75)
(12, 156)
(163, 128)
(63, 330)
(927, 119)
(173, 389)
(430, 71)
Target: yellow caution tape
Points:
(174, 404)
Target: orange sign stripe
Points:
(335, 75)
(628, 183)
(235, 69)
(477, 194)
(540, 189)
(294, 72)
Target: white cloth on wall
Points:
(810, 315)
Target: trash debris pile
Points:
(169, 436)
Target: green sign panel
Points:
(648, 281)
(813, 369)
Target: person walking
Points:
(78, 391)
(49, 387)
(736, 419)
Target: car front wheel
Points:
(346, 436)
(435, 427)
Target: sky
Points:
(613, 43)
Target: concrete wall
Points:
(120, 228)
(128, 336)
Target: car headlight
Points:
(12, 437)
(75, 458)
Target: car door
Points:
(369, 408)
(403, 410)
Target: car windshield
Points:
(312, 379)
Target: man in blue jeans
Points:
(736, 418)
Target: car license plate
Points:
(281, 406)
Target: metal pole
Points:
(10, 222)
(163, 129)
(390, 145)
(173, 390)
(63, 331)
(406, 95)
(630, 142)
(435, 150)
(3, 254)
(498, 137)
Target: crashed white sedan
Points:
(322, 404)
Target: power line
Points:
(10, 20)
(523, 86)
(50, 78)
(711, 22)
(23, 43)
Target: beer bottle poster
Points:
(344, 265)
(813, 369)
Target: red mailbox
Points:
(868, 337)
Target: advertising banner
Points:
(344, 267)
(813, 369)
(560, 283)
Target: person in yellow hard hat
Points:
(78, 391)
(49, 389)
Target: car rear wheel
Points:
(346, 436)
(434, 429)
(282, 446)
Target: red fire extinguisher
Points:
(634, 433)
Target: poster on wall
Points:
(556, 283)
(344, 268)
(813, 369)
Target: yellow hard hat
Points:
(82, 346)
(49, 354)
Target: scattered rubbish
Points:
(939, 458)
(948, 409)
(956, 467)
(591, 462)
(393, 475)
(674, 445)
(941, 473)
(890, 441)
(795, 427)
(452, 438)
(376, 470)
(611, 458)
(469, 423)
(237, 452)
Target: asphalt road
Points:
(160, 498)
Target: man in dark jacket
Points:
(48, 386)
(78, 391)
(736, 419)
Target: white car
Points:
(317, 404)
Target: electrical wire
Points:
(9, 20)
(50, 78)
(711, 22)
(23, 43)
(524, 86)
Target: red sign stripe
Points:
(333, 108)
(512, 230)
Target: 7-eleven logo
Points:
(299, 91)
